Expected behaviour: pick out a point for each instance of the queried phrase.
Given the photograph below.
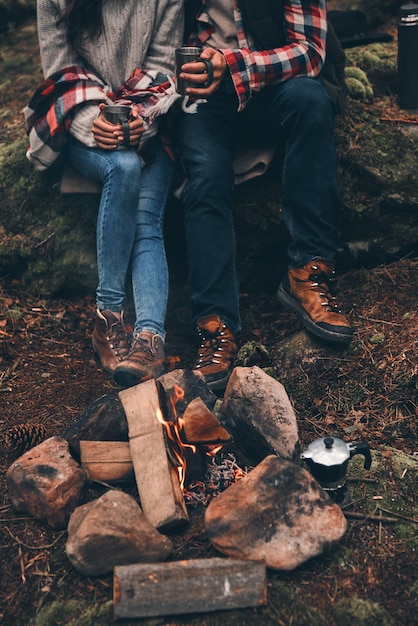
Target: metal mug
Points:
(120, 114)
(188, 54)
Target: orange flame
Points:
(173, 432)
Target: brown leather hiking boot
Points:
(217, 351)
(307, 291)
(110, 339)
(145, 360)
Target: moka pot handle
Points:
(361, 448)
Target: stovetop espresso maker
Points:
(328, 458)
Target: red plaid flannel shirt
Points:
(252, 69)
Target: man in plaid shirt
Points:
(270, 80)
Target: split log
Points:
(107, 461)
(182, 587)
(178, 388)
(157, 480)
(200, 426)
(103, 420)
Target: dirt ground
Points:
(367, 392)
(49, 376)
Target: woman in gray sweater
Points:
(94, 53)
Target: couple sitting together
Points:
(278, 73)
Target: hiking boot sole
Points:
(215, 385)
(343, 335)
(127, 377)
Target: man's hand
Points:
(196, 72)
(108, 136)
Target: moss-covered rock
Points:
(358, 84)
(48, 237)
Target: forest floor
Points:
(366, 392)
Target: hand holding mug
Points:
(195, 71)
(118, 127)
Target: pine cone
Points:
(24, 436)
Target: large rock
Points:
(256, 410)
(113, 530)
(278, 513)
(46, 482)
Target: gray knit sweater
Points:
(137, 34)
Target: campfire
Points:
(195, 431)
(173, 440)
(171, 432)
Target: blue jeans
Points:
(130, 227)
(298, 113)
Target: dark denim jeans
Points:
(298, 113)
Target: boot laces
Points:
(117, 338)
(141, 351)
(324, 282)
(212, 348)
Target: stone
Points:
(256, 410)
(277, 513)
(46, 482)
(112, 530)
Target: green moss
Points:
(361, 612)
(377, 338)
(74, 613)
(358, 90)
(54, 234)
(13, 314)
(358, 84)
(253, 353)
(287, 607)
(376, 56)
(395, 497)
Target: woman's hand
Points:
(196, 72)
(108, 136)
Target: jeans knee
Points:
(309, 100)
(209, 175)
(125, 164)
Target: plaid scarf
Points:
(49, 113)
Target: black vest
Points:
(264, 21)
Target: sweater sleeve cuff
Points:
(82, 122)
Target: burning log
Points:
(107, 461)
(191, 386)
(200, 426)
(197, 434)
(104, 420)
(181, 587)
(157, 479)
